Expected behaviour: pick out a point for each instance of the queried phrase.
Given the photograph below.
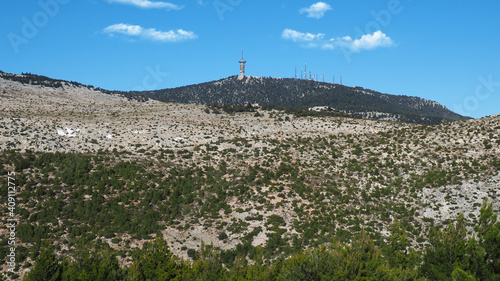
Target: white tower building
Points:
(242, 66)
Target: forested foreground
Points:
(451, 254)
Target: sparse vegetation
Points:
(242, 197)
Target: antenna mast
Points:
(242, 66)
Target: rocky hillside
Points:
(100, 169)
(298, 93)
(292, 93)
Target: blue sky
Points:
(440, 50)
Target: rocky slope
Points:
(270, 180)
(293, 93)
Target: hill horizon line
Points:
(287, 92)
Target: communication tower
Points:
(242, 66)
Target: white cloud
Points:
(150, 33)
(127, 29)
(372, 41)
(296, 36)
(366, 42)
(146, 4)
(316, 10)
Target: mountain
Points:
(47, 82)
(297, 93)
(287, 92)
(97, 176)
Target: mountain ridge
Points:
(287, 92)
(305, 94)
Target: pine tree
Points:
(450, 249)
(155, 262)
(398, 251)
(208, 267)
(459, 275)
(488, 231)
(92, 265)
(47, 267)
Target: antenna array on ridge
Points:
(313, 77)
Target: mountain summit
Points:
(298, 93)
(285, 92)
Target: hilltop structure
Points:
(242, 66)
